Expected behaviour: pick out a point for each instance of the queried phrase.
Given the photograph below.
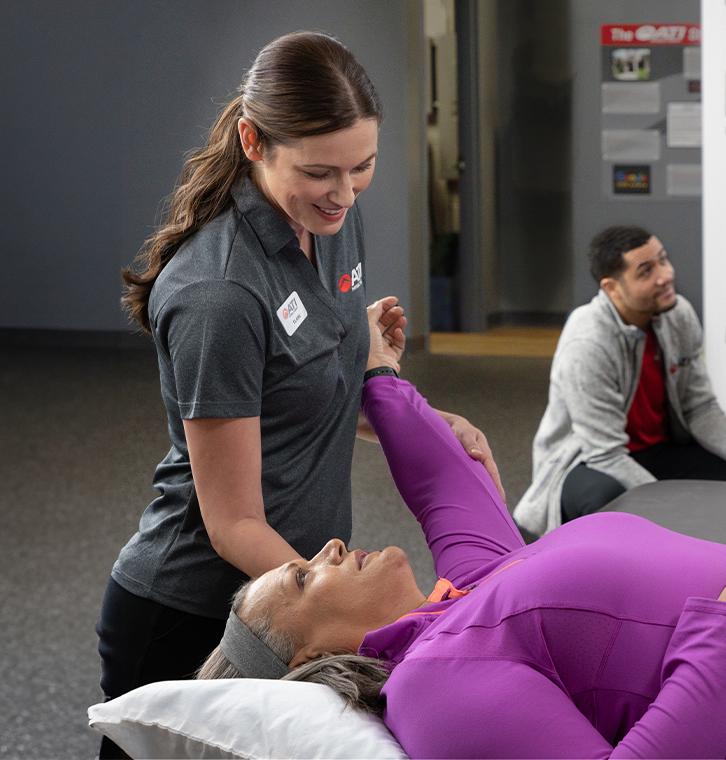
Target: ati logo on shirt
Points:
(289, 310)
(351, 281)
(683, 362)
(292, 313)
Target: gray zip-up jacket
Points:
(594, 376)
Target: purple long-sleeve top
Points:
(602, 639)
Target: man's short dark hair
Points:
(607, 249)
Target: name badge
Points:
(292, 313)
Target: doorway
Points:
(443, 169)
(499, 176)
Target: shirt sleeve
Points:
(705, 418)
(464, 519)
(595, 403)
(486, 708)
(702, 413)
(215, 335)
(687, 717)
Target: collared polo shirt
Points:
(245, 326)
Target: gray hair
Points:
(357, 679)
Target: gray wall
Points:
(533, 158)
(676, 222)
(103, 99)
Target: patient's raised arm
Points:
(465, 521)
(387, 342)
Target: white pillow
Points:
(241, 718)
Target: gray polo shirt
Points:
(244, 326)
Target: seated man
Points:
(629, 400)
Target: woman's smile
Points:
(331, 214)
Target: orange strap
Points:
(445, 590)
(440, 589)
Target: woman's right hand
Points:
(385, 323)
(722, 597)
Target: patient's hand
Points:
(722, 597)
(386, 323)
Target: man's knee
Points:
(586, 491)
(689, 461)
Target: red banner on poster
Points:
(650, 34)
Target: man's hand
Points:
(386, 323)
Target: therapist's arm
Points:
(226, 459)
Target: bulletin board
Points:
(650, 115)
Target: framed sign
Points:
(650, 114)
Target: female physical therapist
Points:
(253, 292)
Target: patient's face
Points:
(333, 600)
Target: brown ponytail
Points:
(201, 194)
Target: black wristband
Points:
(377, 371)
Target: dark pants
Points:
(586, 490)
(141, 641)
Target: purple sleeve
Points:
(486, 708)
(452, 708)
(464, 519)
(688, 717)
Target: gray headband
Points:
(248, 654)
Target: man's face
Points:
(646, 287)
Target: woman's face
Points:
(313, 181)
(332, 601)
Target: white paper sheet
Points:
(630, 144)
(630, 97)
(683, 179)
(683, 125)
(692, 62)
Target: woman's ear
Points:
(303, 655)
(250, 139)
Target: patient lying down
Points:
(604, 638)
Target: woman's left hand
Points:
(476, 446)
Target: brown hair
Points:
(608, 247)
(300, 85)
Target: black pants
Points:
(586, 490)
(141, 641)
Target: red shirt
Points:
(647, 416)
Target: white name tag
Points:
(292, 313)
